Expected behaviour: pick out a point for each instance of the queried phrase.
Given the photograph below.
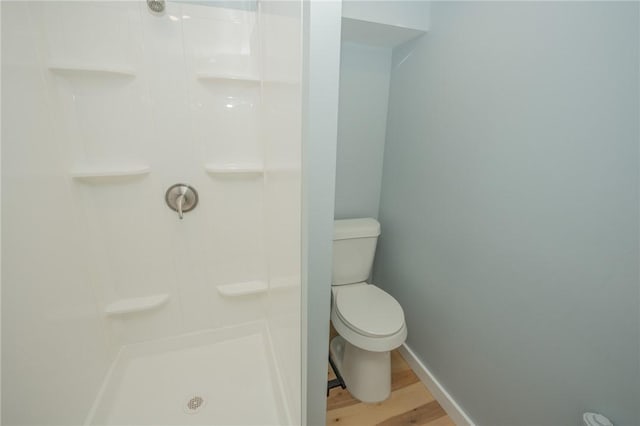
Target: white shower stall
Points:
(115, 310)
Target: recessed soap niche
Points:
(228, 115)
(223, 55)
(102, 112)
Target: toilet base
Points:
(367, 374)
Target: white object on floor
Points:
(370, 321)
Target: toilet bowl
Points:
(370, 324)
(369, 321)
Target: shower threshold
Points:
(216, 377)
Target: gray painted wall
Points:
(321, 50)
(364, 89)
(509, 207)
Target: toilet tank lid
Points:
(345, 229)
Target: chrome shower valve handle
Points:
(181, 198)
(180, 203)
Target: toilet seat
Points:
(369, 310)
(368, 317)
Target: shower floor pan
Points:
(218, 377)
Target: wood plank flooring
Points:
(410, 402)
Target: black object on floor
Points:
(338, 381)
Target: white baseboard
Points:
(453, 409)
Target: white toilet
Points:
(369, 321)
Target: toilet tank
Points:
(354, 246)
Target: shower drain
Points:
(194, 404)
(156, 6)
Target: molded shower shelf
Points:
(242, 289)
(86, 173)
(77, 68)
(136, 304)
(285, 283)
(234, 169)
(227, 77)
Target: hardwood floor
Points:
(410, 402)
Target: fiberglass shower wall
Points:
(105, 105)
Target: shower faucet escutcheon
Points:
(181, 198)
